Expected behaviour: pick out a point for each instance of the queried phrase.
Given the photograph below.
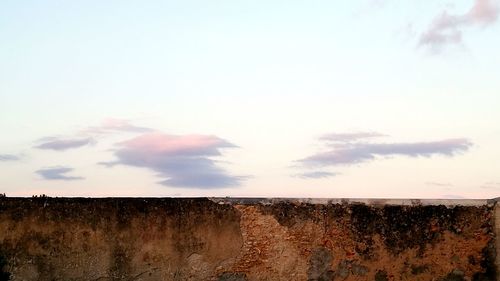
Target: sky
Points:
(360, 99)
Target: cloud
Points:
(111, 125)
(447, 28)
(182, 160)
(452, 196)
(491, 185)
(316, 175)
(57, 173)
(441, 184)
(348, 137)
(60, 144)
(8, 157)
(353, 153)
(89, 135)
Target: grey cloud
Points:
(57, 173)
(108, 164)
(83, 138)
(317, 175)
(8, 157)
(447, 28)
(183, 161)
(60, 144)
(353, 153)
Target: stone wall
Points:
(77, 239)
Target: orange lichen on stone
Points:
(268, 248)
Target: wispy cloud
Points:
(8, 157)
(61, 144)
(112, 125)
(89, 135)
(182, 160)
(447, 28)
(316, 175)
(440, 184)
(357, 152)
(452, 196)
(491, 185)
(348, 137)
(57, 173)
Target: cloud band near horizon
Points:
(353, 153)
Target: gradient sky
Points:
(250, 98)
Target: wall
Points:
(77, 239)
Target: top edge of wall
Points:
(367, 201)
(317, 201)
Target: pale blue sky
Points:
(268, 77)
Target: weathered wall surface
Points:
(245, 239)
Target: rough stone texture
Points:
(77, 239)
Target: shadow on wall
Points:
(4, 275)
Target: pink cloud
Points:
(483, 12)
(446, 28)
(182, 160)
(172, 144)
